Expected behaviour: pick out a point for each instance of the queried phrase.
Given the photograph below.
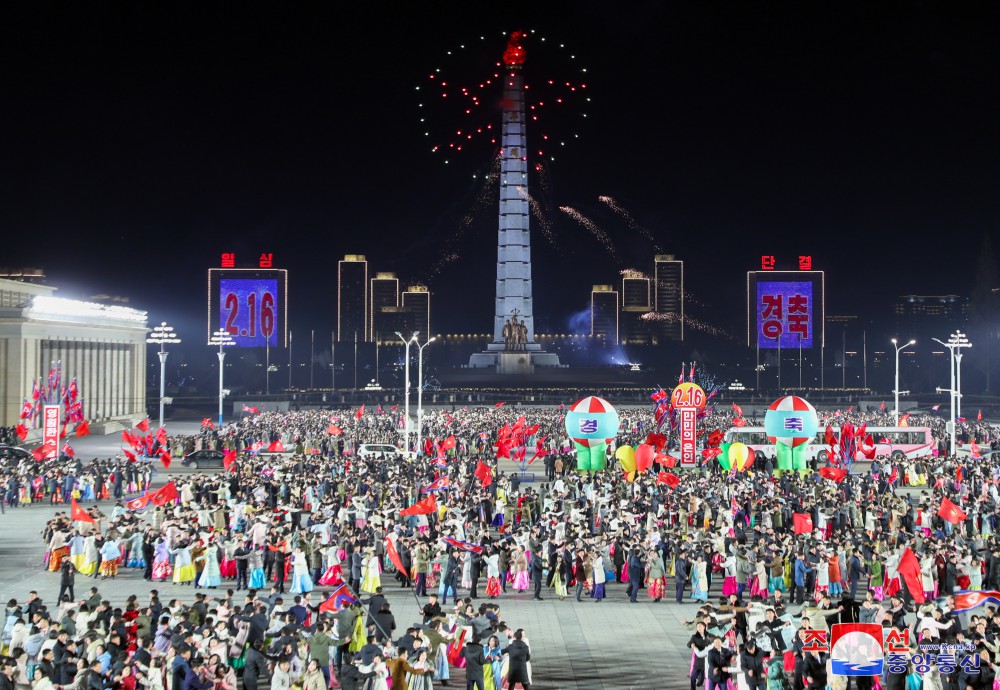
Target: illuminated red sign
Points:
(228, 260)
(267, 260)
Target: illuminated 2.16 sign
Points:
(250, 304)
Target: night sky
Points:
(143, 141)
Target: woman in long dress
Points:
(301, 579)
(111, 553)
(492, 669)
(161, 561)
(699, 579)
(184, 570)
(371, 578)
(599, 577)
(560, 579)
(520, 570)
(227, 569)
(211, 573)
(334, 572)
(89, 556)
(466, 571)
(255, 564)
(493, 575)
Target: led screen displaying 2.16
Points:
(248, 310)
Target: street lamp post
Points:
(420, 388)
(406, 387)
(162, 335)
(955, 343)
(223, 339)
(895, 388)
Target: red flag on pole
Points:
(164, 495)
(390, 550)
(360, 413)
(143, 426)
(22, 432)
(276, 447)
(909, 570)
(165, 459)
(882, 406)
(671, 480)
(483, 474)
(129, 454)
(78, 514)
(448, 443)
(424, 507)
(228, 459)
(499, 404)
(836, 474)
(949, 512)
(334, 430)
(979, 417)
(802, 523)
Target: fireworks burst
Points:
(544, 222)
(689, 322)
(595, 230)
(613, 204)
(459, 103)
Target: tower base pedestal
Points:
(517, 362)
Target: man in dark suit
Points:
(475, 657)
(475, 569)
(518, 655)
(536, 574)
(717, 665)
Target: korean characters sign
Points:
(687, 399)
(50, 431)
(784, 314)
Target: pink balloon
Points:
(644, 455)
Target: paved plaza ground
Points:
(585, 645)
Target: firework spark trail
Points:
(689, 321)
(544, 223)
(636, 227)
(633, 273)
(594, 229)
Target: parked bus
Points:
(897, 442)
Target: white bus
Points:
(897, 442)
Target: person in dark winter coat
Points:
(518, 655)
(752, 663)
(475, 657)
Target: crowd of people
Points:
(323, 517)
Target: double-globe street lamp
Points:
(406, 386)
(895, 388)
(420, 388)
(222, 339)
(955, 343)
(162, 335)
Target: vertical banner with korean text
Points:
(687, 399)
(50, 432)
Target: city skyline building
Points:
(384, 293)
(352, 298)
(604, 314)
(416, 302)
(668, 290)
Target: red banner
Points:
(688, 425)
(50, 432)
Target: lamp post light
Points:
(162, 335)
(406, 387)
(895, 388)
(223, 339)
(955, 343)
(420, 388)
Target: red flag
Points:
(909, 570)
(737, 410)
(164, 495)
(448, 443)
(165, 459)
(143, 426)
(128, 438)
(949, 512)
(360, 412)
(502, 450)
(739, 421)
(334, 430)
(338, 600)
(850, 409)
(78, 514)
(483, 474)
(499, 404)
(802, 523)
(68, 451)
(161, 436)
(671, 480)
(38, 453)
(22, 432)
(424, 507)
(276, 447)
(228, 459)
(979, 417)
(129, 454)
(958, 473)
(935, 407)
(393, 554)
(833, 473)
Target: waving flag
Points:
(165, 459)
(360, 413)
(26, 410)
(448, 443)
(138, 503)
(737, 410)
(966, 600)
(499, 404)
(228, 459)
(68, 451)
(338, 600)
(78, 514)
(909, 570)
(22, 432)
(462, 545)
(424, 507)
(671, 480)
(393, 554)
(802, 523)
(276, 447)
(439, 484)
(164, 495)
(949, 512)
(979, 417)
(936, 407)
(143, 426)
(483, 474)
(836, 474)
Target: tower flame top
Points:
(514, 55)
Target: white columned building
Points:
(103, 346)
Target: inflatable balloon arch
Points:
(791, 423)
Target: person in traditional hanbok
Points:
(699, 579)
(184, 570)
(655, 575)
(597, 591)
(89, 565)
(758, 581)
(493, 668)
(370, 577)
(493, 575)
(227, 568)
(255, 564)
(421, 680)
(301, 579)
(520, 562)
(161, 561)
(466, 571)
(211, 573)
(559, 581)
(334, 573)
(111, 552)
(134, 558)
(76, 550)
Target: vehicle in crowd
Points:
(897, 442)
(14, 454)
(203, 459)
(383, 451)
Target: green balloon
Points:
(591, 458)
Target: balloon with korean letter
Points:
(592, 423)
